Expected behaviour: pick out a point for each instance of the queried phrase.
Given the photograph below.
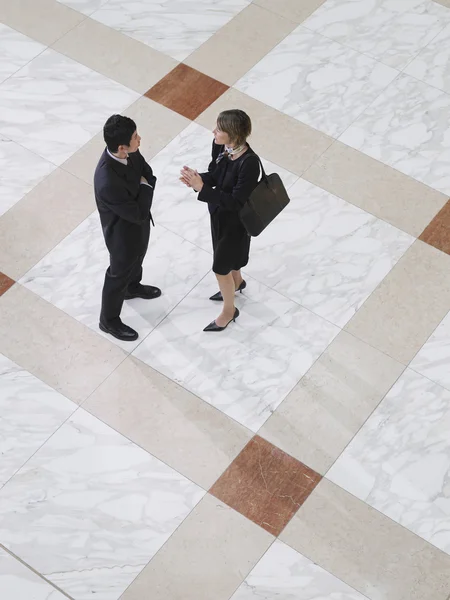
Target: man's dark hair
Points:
(118, 131)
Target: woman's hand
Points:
(191, 178)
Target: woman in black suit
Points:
(231, 177)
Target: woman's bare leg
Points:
(227, 287)
(237, 277)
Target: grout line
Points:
(30, 568)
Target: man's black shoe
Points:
(147, 292)
(120, 331)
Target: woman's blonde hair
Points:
(236, 124)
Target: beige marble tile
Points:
(296, 10)
(279, 138)
(156, 124)
(331, 402)
(408, 305)
(367, 550)
(115, 55)
(54, 347)
(208, 556)
(376, 188)
(45, 21)
(443, 2)
(168, 421)
(240, 44)
(48, 213)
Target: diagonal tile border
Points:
(41, 220)
(211, 553)
(151, 410)
(376, 188)
(365, 549)
(266, 485)
(240, 44)
(408, 304)
(54, 347)
(115, 55)
(331, 402)
(186, 91)
(44, 21)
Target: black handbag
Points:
(265, 202)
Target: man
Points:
(124, 184)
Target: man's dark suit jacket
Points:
(124, 204)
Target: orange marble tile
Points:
(5, 283)
(266, 485)
(437, 233)
(186, 91)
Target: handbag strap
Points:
(263, 173)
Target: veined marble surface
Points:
(90, 509)
(247, 371)
(432, 65)
(317, 81)
(391, 31)
(21, 171)
(30, 412)
(174, 27)
(433, 360)
(399, 462)
(19, 583)
(325, 253)
(54, 105)
(177, 208)
(284, 574)
(71, 276)
(16, 50)
(407, 127)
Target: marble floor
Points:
(303, 454)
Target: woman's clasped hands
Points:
(191, 178)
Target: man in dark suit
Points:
(124, 185)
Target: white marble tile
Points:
(432, 65)
(391, 31)
(175, 27)
(178, 208)
(54, 105)
(21, 171)
(326, 254)
(19, 583)
(433, 360)
(71, 276)
(399, 462)
(247, 370)
(407, 127)
(90, 509)
(284, 574)
(317, 81)
(30, 412)
(16, 50)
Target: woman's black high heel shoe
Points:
(214, 327)
(218, 297)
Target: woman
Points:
(232, 176)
